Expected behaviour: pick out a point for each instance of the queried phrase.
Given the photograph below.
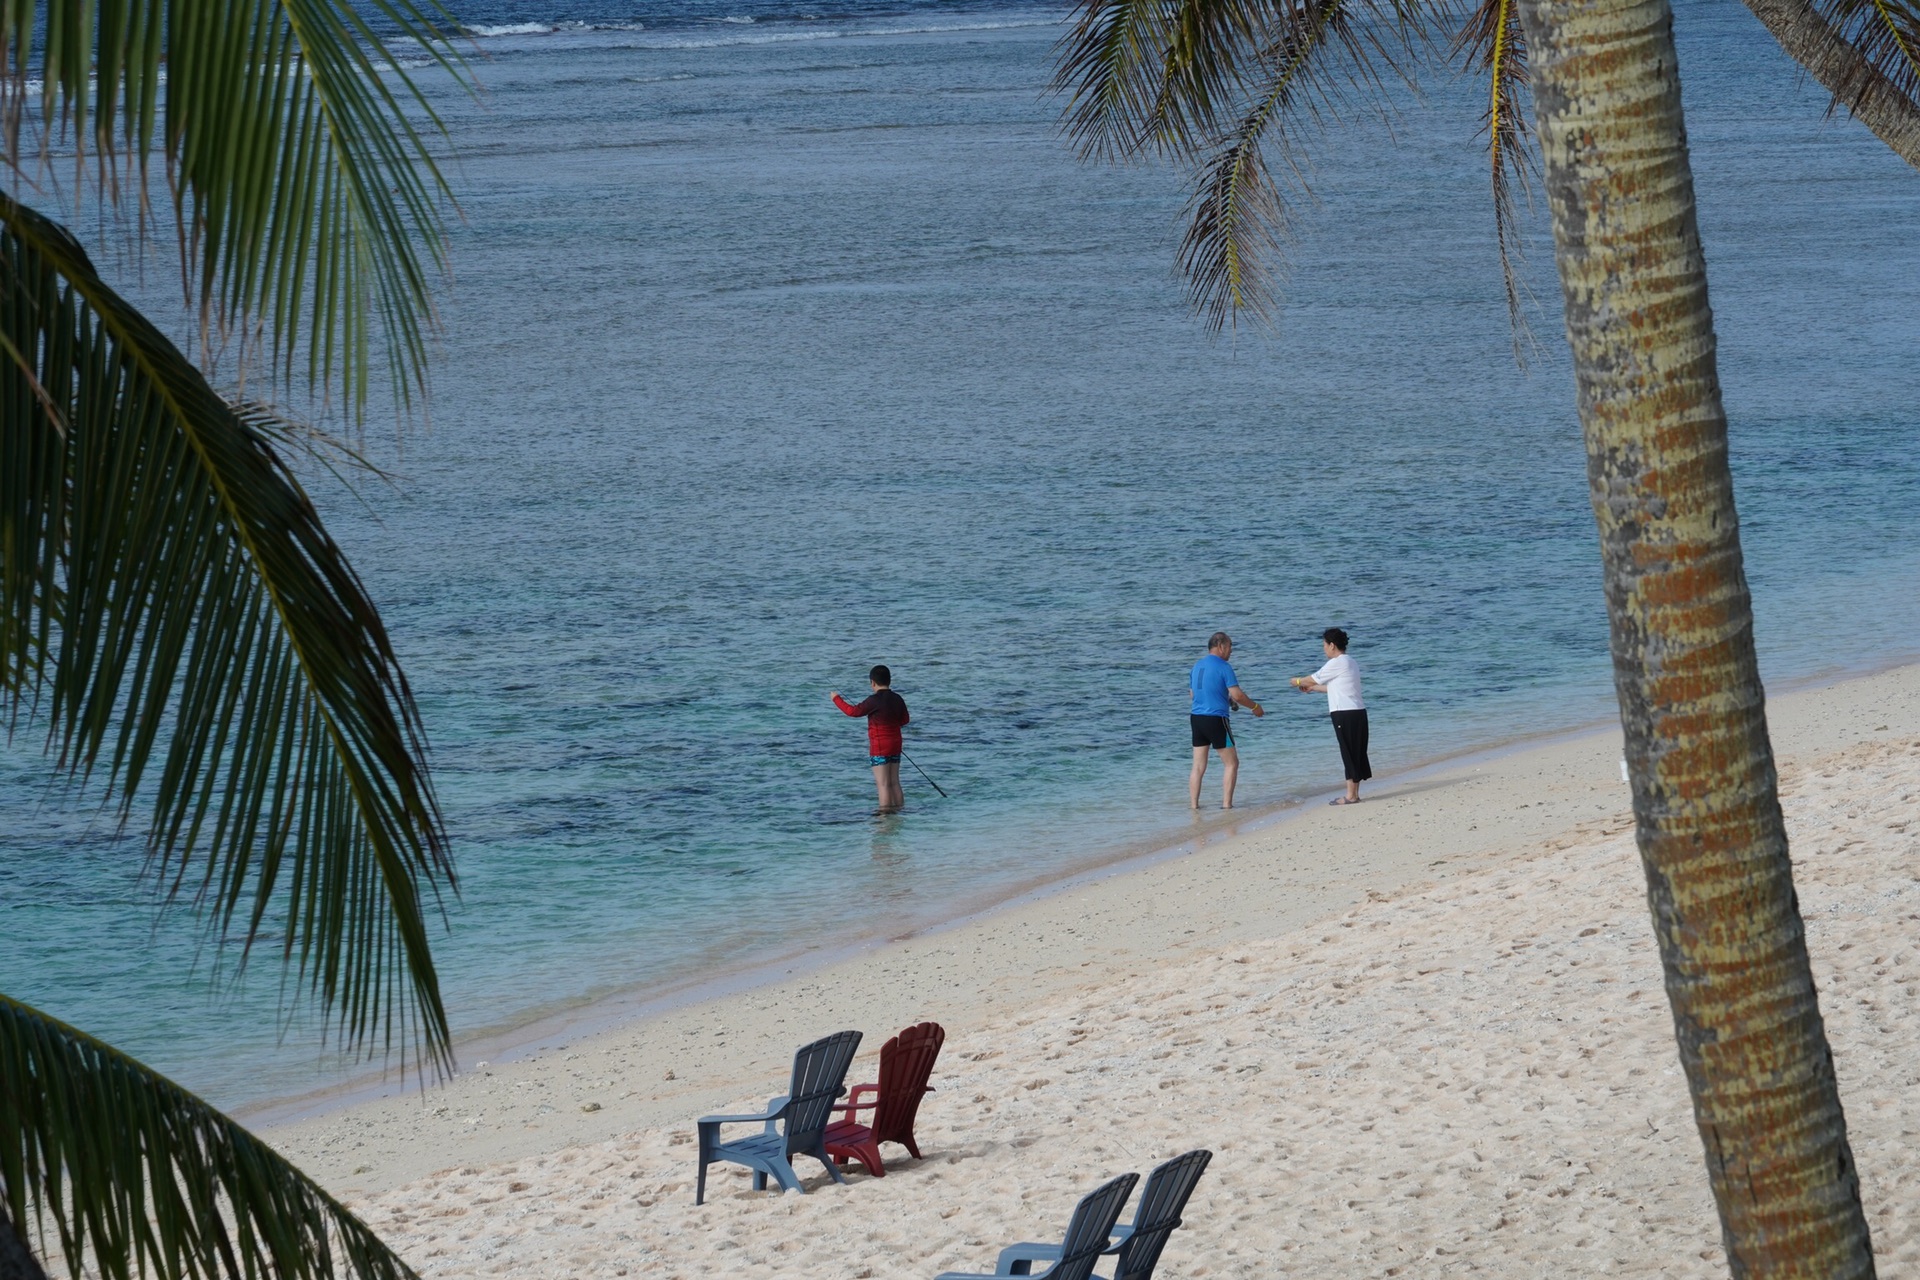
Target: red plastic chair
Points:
(906, 1061)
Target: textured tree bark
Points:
(1861, 87)
(16, 1260)
(1707, 813)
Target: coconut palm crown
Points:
(177, 628)
(1238, 88)
(1230, 85)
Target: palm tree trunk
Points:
(1864, 89)
(1705, 802)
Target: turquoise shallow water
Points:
(781, 348)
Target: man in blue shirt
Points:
(1215, 691)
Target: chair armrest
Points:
(1122, 1232)
(853, 1103)
(1027, 1251)
(775, 1108)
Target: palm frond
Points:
(1887, 34)
(1492, 43)
(168, 594)
(135, 1174)
(306, 202)
(1865, 52)
(1238, 214)
(1167, 74)
(1224, 81)
(1109, 64)
(1215, 46)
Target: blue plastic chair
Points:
(796, 1123)
(1162, 1201)
(1073, 1258)
(1137, 1245)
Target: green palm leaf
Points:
(306, 202)
(1226, 82)
(1238, 214)
(1174, 74)
(1887, 34)
(138, 1175)
(1492, 43)
(1866, 53)
(1222, 51)
(1229, 85)
(1158, 73)
(167, 594)
(1110, 65)
(1320, 51)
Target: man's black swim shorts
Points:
(1212, 731)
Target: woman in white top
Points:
(1339, 679)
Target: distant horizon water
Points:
(787, 339)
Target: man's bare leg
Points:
(1193, 779)
(1231, 756)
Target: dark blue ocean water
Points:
(789, 339)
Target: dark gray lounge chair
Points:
(796, 1124)
(1073, 1258)
(1136, 1246)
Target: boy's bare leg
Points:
(893, 784)
(880, 786)
(1231, 757)
(1193, 780)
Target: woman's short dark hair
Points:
(880, 676)
(1217, 640)
(1335, 637)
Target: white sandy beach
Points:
(1424, 1036)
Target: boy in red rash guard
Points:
(886, 712)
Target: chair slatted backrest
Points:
(1161, 1204)
(906, 1063)
(1092, 1224)
(819, 1076)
